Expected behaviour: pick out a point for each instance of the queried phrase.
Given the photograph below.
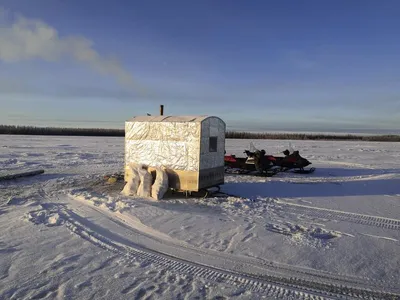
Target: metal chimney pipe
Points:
(161, 110)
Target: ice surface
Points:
(64, 235)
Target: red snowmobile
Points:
(266, 165)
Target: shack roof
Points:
(193, 119)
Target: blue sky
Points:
(259, 65)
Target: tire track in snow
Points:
(273, 267)
(325, 213)
(296, 283)
(270, 285)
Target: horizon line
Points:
(258, 131)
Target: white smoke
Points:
(25, 39)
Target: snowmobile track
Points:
(331, 214)
(270, 285)
(272, 267)
(295, 284)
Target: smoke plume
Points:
(26, 39)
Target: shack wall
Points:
(212, 151)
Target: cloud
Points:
(24, 39)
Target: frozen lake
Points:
(64, 234)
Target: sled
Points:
(20, 174)
(211, 192)
(113, 183)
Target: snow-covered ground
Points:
(331, 234)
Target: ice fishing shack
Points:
(191, 148)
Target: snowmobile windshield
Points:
(290, 148)
(252, 148)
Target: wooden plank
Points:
(22, 174)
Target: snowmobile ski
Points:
(302, 171)
(268, 173)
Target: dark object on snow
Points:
(22, 174)
(113, 178)
(261, 162)
(267, 165)
(293, 161)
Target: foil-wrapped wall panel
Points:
(172, 145)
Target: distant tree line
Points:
(311, 136)
(31, 130)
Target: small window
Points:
(213, 143)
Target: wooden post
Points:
(161, 110)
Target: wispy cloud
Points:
(24, 39)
